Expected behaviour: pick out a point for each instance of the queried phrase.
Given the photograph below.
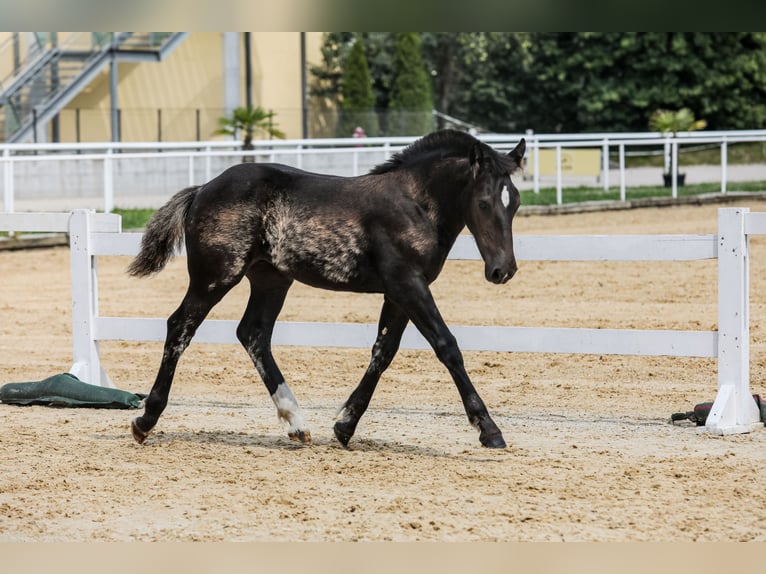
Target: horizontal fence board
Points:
(35, 222)
(470, 338)
(615, 247)
(755, 223)
(527, 247)
(127, 244)
(56, 222)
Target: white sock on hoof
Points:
(288, 409)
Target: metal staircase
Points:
(53, 73)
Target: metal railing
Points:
(53, 72)
(34, 170)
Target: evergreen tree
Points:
(570, 82)
(443, 52)
(326, 77)
(411, 104)
(492, 86)
(614, 81)
(358, 104)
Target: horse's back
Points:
(250, 177)
(326, 231)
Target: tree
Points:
(490, 91)
(411, 104)
(379, 51)
(579, 81)
(443, 53)
(674, 121)
(358, 100)
(328, 75)
(589, 81)
(249, 121)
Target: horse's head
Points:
(492, 202)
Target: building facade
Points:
(181, 96)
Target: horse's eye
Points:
(483, 205)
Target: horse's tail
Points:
(163, 234)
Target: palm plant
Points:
(674, 121)
(249, 121)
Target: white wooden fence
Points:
(93, 235)
(35, 170)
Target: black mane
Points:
(443, 144)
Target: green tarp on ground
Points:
(66, 390)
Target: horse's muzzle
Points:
(499, 275)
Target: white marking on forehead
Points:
(505, 197)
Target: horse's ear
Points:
(517, 153)
(475, 157)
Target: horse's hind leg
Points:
(182, 325)
(390, 328)
(268, 288)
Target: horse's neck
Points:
(445, 194)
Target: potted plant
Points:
(674, 121)
(249, 121)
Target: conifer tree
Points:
(358, 104)
(411, 104)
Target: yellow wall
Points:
(574, 161)
(191, 79)
(276, 60)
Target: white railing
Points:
(93, 235)
(35, 170)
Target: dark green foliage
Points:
(411, 104)
(444, 54)
(358, 103)
(574, 81)
(249, 122)
(493, 89)
(326, 77)
(583, 81)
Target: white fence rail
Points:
(115, 173)
(734, 411)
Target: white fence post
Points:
(734, 410)
(8, 206)
(676, 168)
(191, 170)
(621, 147)
(86, 363)
(108, 182)
(559, 194)
(208, 163)
(724, 164)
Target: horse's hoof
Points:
(493, 441)
(341, 434)
(138, 434)
(300, 436)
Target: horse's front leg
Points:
(415, 298)
(390, 328)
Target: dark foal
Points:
(385, 232)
